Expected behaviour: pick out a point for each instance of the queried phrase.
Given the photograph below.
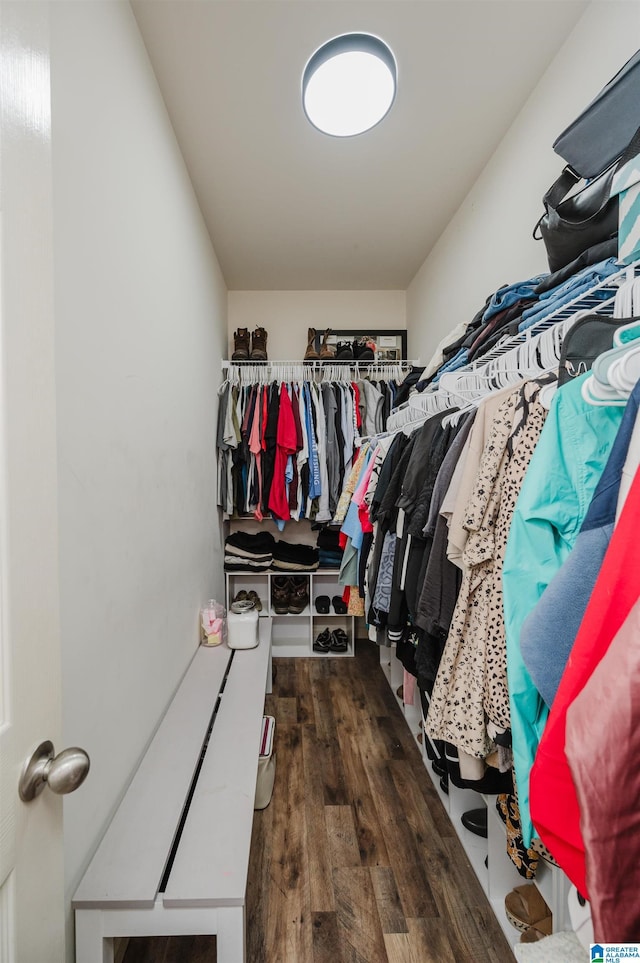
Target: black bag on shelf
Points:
(592, 146)
(572, 224)
(598, 137)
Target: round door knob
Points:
(62, 773)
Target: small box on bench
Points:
(266, 764)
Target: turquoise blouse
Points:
(564, 470)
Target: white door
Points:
(31, 865)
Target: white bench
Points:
(175, 857)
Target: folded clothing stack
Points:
(245, 552)
(329, 549)
(289, 557)
(330, 559)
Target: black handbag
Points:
(601, 133)
(591, 145)
(572, 224)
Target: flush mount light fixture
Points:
(349, 84)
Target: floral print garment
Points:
(470, 690)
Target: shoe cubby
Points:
(293, 633)
(327, 586)
(333, 624)
(248, 583)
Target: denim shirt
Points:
(510, 293)
(575, 286)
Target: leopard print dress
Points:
(470, 692)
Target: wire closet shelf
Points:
(525, 354)
(265, 372)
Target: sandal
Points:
(525, 907)
(323, 642)
(255, 598)
(538, 932)
(339, 641)
(322, 604)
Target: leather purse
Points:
(591, 145)
(601, 133)
(572, 224)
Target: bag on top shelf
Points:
(592, 146)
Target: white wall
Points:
(287, 315)
(141, 326)
(488, 243)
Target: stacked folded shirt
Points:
(288, 557)
(330, 559)
(245, 552)
(329, 549)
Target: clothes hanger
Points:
(598, 388)
(455, 416)
(623, 302)
(605, 368)
(624, 371)
(627, 333)
(598, 394)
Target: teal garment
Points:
(556, 492)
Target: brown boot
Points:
(311, 354)
(280, 594)
(299, 594)
(259, 345)
(241, 345)
(327, 353)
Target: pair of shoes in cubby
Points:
(323, 604)
(289, 594)
(331, 641)
(246, 602)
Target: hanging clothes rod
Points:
(355, 363)
(600, 299)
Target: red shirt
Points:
(553, 800)
(286, 440)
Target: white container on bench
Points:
(242, 628)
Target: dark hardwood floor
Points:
(354, 860)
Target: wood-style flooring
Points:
(354, 860)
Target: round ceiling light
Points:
(349, 84)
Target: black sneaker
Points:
(344, 351)
(362, 351)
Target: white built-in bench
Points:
(174, 859)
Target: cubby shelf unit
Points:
(294, 635)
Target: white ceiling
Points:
(289, 208)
